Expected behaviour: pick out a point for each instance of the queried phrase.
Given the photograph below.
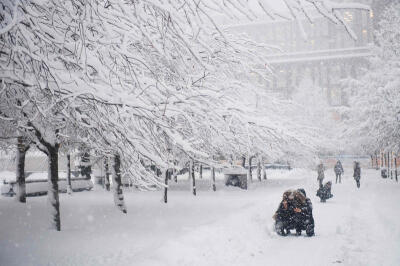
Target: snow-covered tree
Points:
(374, 117)
(133, 79)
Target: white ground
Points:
(227, 227)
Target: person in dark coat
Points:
(294, 212)
(303, 216)
(338, 171)
(283, 216)
(357, 173)
(324, 192)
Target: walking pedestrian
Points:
(338, 171)
(357, 173)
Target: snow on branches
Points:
(140, 78)
(374, 119)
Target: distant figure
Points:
(357, 173)
(321, 175)
(324, 192)
(338, 171)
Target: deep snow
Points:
(227, 227)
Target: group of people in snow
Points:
(324, 191)
(295, 209)
(294, 212)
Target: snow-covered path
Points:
(228, 227)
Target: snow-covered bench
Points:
(36, 185)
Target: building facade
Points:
(321, 51)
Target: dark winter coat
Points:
(284, 212)
(302, 219)
(357, 171)
(307, 216)
(338, 168)
(324, 192)
(287, 218)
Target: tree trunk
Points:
(86, 168)
(259, 169)
(388, 164)
(201, 171)
(193, 177)
(213, 178)
(391, 166)
(264, 173)
(69, 186)
(249, 172)
(106, 175)
(395, 171)
(243, 161)
(20, 178)
(175, 174)
(372, 161)
(167, 176)
(117, 184)
(52, 194)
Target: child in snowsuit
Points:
(357, 173)
(338, 171)
(324, 192)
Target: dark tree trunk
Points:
(86, 168)
(52, 193)
(259, 169)
(201, 171)
(175, 174)
(117, 184)
(392, 166)
(193, 177)
(243, 161)
(106, 175)
(20, 178)
(213, 178)
(167, 177)
(386, 160)
(372, 161)
(250, 173)
(388, 165)
(69, 186)
(395, 171)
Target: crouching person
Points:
(283, 215)
(303, 217)
(324, 192)
(294, 212)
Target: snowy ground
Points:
(227, 227)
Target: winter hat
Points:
(302, 191)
